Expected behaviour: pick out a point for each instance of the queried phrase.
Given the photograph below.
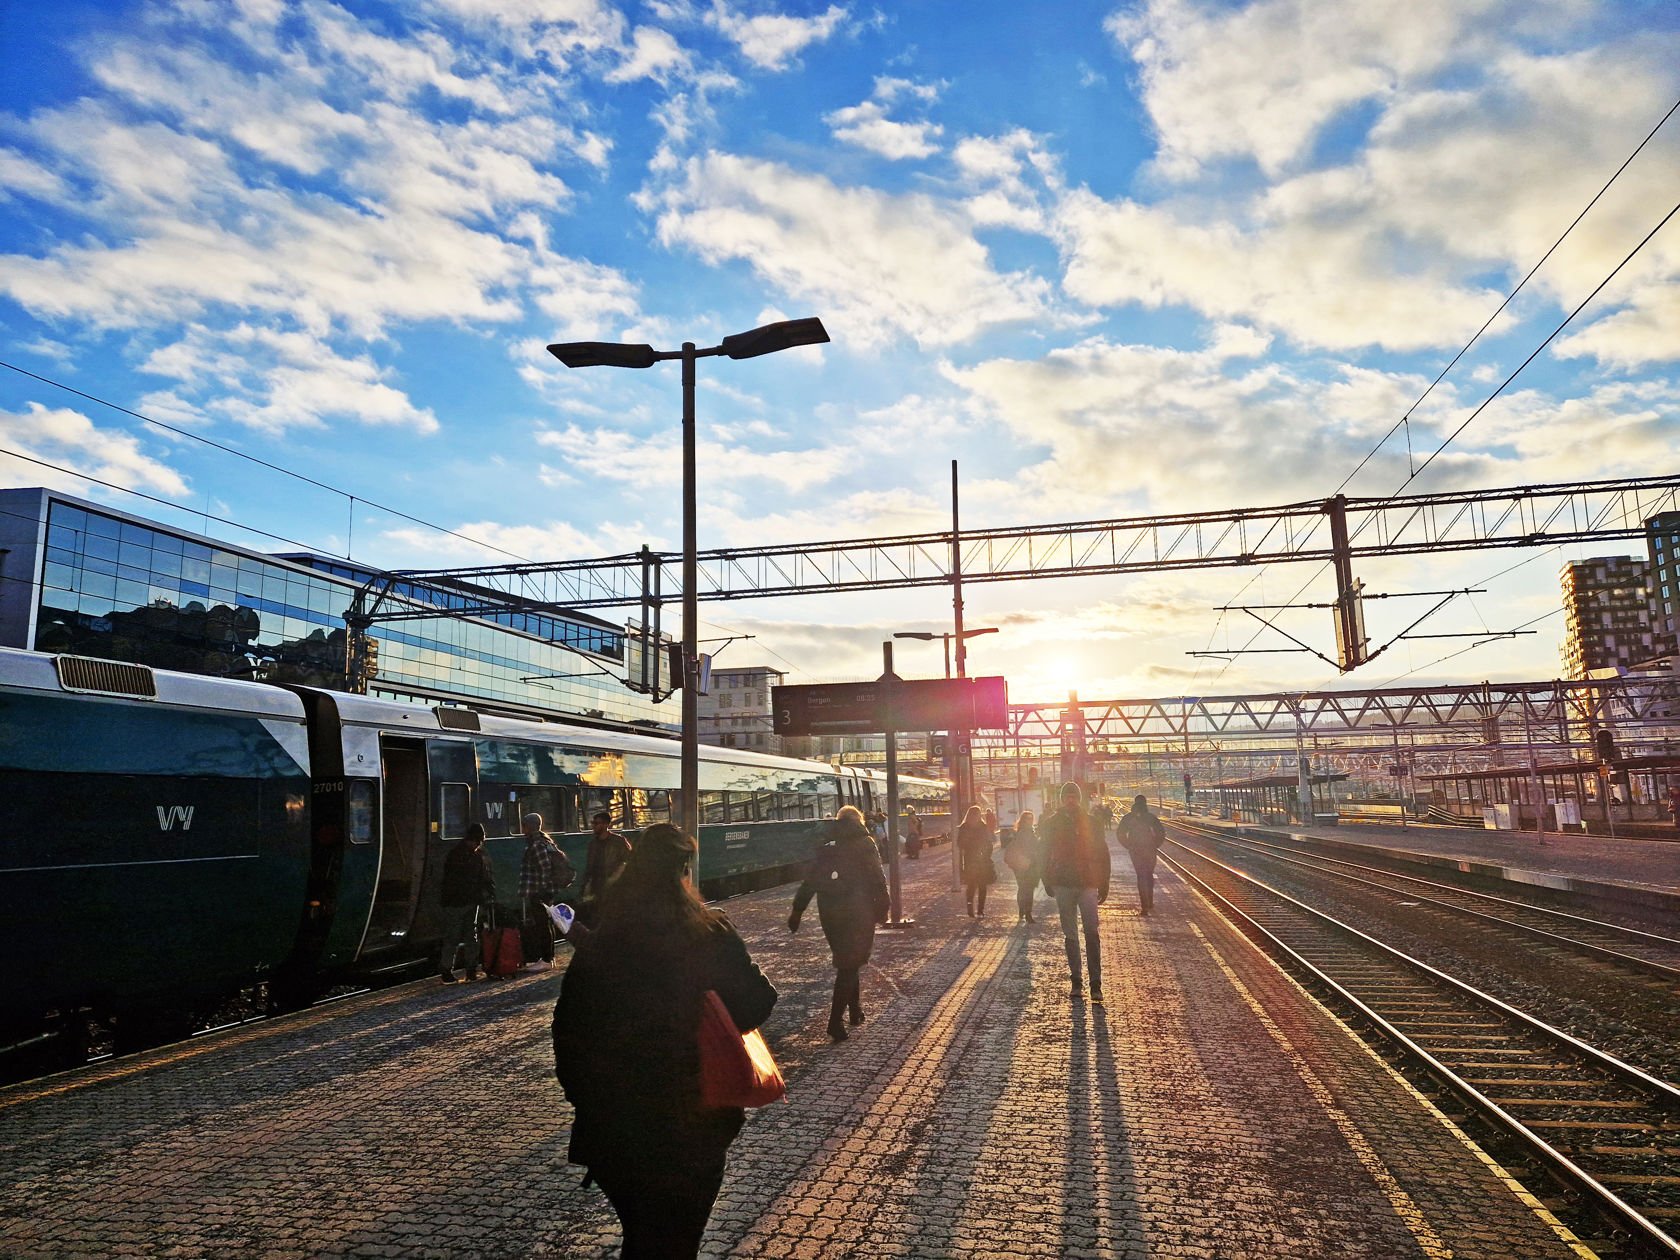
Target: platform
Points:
(1210, 1110)
(1640, 871)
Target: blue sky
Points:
(1112, 258)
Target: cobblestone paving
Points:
(1210, 1110)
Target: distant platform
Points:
(1210, 1109)
(1642, 871)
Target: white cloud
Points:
(634, 460)
(874, 264)
(868, 126)
(275, 379)
(1263, 80)
(1390, 242)
(409, 546)
(771, 40)
(69, 439)
(654, 54)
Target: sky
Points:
(1112, 258)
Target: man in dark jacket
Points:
(1076, 869)
(468, 883)
(1142, 834)
(607, 853)
(845, 878)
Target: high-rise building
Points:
(1609, 618)
(1662, 541)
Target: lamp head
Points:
(773, 337)
(581, 354)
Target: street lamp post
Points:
(748, 345)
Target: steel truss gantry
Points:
(1461, 520)
(1472, 725)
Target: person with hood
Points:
(1143, 835)
(845, 878)
(1076, 870)
(626, 1046)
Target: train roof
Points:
(82, 675)
(374, 711)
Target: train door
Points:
(402, 841)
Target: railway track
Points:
(1604, 1129)
(1633, 949)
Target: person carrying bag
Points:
(1143, 835)
(628, 1030)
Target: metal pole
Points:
(691, 618)
(960, 788)
(889, 681)
(1535, 785)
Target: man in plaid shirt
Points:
(543, 873)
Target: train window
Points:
(557, 805)
(739, 806)
(595, 799)
(454, 809)
(712, 805)
(358, 809)
(647, 808)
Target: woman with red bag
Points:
(626, 1049)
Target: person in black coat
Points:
(975, 840)
(845, 878)
(626, 1047)
(1143, 835)
(468, 884)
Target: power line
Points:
(1406, 418)
(1510, 297)
(152, 498)
(230, 450)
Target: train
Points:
(172, 839)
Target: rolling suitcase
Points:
(501, 949)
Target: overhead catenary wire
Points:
(272, 467)
(1503, 386)
(1405, 419)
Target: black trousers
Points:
(848, 994)
(664, 1212)
(537, 935)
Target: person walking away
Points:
(1076, 871)
(1143, 835)
(878, 829)
(1022, 856)
(468, 883)
(626, 1047)
(608, 851)
(543, 873)
(1103, 818)
(912, 833)
(974, 852)
(845, 878)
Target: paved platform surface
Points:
(1634, 863)
(1210, 1110)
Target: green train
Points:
(171, 839)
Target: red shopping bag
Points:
(736, 1069)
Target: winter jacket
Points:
(467, 878)
(626, 1043)
(845, 878)
(1075, 856)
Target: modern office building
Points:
(80, 577)
(1662, 541)
(1610, 622)
(735, 709)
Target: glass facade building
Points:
(81, 578)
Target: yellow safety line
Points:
(1404, 1205)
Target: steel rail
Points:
(1560, 1164)
(1311, 862)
